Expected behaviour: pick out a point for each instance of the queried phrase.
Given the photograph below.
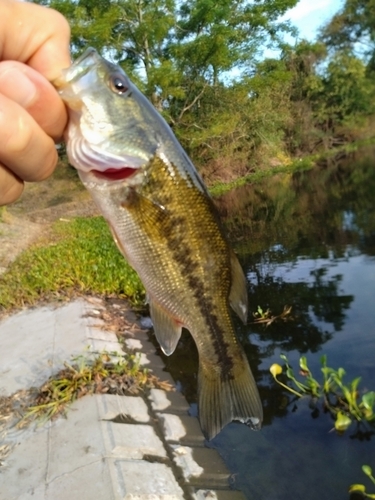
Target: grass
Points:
(90, 373)
(78, 257)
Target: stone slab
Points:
(132, 441)
(219, 495)
(181, 429)
(202, 467)
(170, 402)
(35, 344)
(112, 406)
(140, 480)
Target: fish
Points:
(165, 224)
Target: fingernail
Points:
(17, 86)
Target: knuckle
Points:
(60, 22)
(18, 137)
(11, 187)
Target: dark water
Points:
(305, 240)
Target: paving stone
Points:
(133, 441)
(133, 344)
(106, 345)
(75, 441)
(88, 455)
(112, 406)
(219, 495)
(47, 462)
(173, 401)
(140, 480)
(94, 323)
(98, 334)
(181, 429)
(92, 481)
(35, 344)
(202, 467)
(23, 474)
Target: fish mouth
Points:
(113, 174)
(78, 69)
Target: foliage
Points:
(341, 399)
(78, 257)
(267, 318)
(360, 488)
(235, 112)
(353, 28)
(100, 373)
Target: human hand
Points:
(34, 48)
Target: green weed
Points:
(78, 257)
(92, 373)
(342, 399)
(360, 488)
(267, 318)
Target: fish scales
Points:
(166, 225)
(171, 249)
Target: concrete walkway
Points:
(109, 447)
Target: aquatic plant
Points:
(360, 488)
(342, 399)
(266, 317)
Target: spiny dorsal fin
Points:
(238, 292)
(167, 330)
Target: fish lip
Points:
(79, 68)
(114, 174)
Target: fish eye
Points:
(118, 83)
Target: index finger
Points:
(42, 39)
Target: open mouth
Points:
(115, 174)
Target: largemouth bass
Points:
(165, 224)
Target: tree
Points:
(175, 50)
(352, 29)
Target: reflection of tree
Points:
(306, 211)
(318, 299)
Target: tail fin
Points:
(227, 397)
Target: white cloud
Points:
(309, 15)
(306, 7)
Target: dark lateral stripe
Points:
(188, 265)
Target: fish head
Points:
(112, 130)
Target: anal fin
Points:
(167, 329)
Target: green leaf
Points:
(282, 356)
(303, 364)
(367, 470)
(342, 422)
(368, 400)
(357, 487)
(289, 373)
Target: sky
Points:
(309, 15)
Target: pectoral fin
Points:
(238, 293)
(167, 329)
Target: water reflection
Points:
(307, 241)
